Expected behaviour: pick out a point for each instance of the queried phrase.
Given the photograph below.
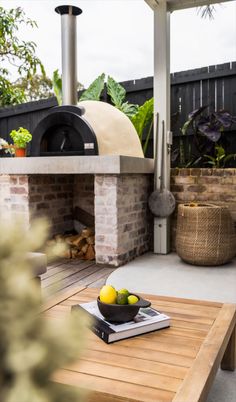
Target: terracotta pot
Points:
(20, 152)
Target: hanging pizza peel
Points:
(161, 202)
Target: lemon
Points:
(122, 299)
(108, 294)
(123, 292)
(132, 299)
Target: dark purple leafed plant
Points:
(206, 131)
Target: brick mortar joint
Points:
(192, 172)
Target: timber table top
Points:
(175, 364)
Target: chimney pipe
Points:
(69, 53)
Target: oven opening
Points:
(61, 139)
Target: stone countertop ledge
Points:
(110, 164)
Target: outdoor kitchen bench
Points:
(174, 364)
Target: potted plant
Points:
(20, 138)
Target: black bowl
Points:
(121, 313)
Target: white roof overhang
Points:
(173, 5)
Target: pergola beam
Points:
(173, 5)
(161, 86)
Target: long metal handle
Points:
(162, 156)
(156, 152)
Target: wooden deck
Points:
(64, 274)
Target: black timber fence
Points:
(214, 86)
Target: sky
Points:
(116, 37)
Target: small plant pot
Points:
(20, 152)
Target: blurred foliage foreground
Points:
(32, 347)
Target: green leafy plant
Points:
(21, 137)
(141, 116)
(118, 93)
(202, 135)
(143, 120)
(220, 158)
(57, 86)
(9, 93)
(32, 347)
(94, 90)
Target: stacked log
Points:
(76, 246)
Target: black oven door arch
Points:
(64, 132)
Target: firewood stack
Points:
(79, 246)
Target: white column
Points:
(162, 107)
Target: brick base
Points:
(14, 200)
(123, 222)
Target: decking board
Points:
(64, 274)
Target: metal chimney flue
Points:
(69, 53)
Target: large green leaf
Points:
(143, 118)
(94, 90)
(129, 109)
(57, 86)
(116, 92)
(228, 157)
(185, 127)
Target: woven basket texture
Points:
(205, 234)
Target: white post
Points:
(162, 107)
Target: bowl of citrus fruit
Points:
(119, 305)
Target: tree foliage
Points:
(38, 87)
(16, 54)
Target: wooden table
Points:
(175, 364)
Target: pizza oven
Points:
(87, 127)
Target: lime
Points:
(123, 292)
(122, 299)
(108, 294)
(132, 299)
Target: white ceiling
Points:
(181, 4)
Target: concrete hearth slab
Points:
(109, 164)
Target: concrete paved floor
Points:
(168, 275)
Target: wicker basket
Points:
(205, 234)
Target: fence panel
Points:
(214, 86)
